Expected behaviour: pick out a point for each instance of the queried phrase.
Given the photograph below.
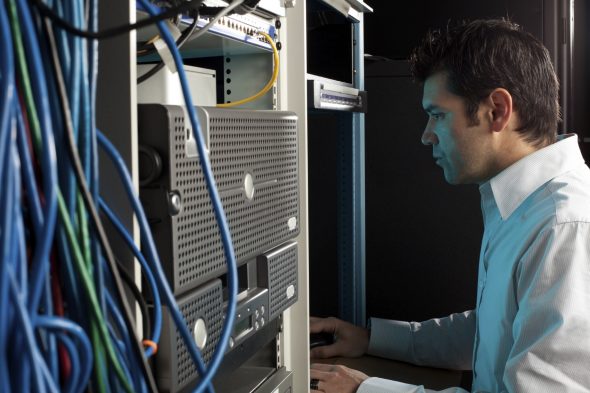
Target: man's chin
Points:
(452, 179)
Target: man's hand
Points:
(351, 340)
(335, 378)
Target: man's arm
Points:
(340, 379)
(440, 342)
(445, 342)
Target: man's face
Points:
(459, 147)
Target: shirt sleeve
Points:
(380, 385)
(439, 342)
(551, 329)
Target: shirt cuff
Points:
(390, 339)
(380, 385)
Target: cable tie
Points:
(150, 343)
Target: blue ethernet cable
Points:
(217, 208)
(48, 157)
(146, 270)
(92, 65)
(114, 384)
(73, 381)
(75, 72)
(16, 265)
(17, 262)
(29, 176)
(64, 50)
(31, 349)
(36, 214)
(82, 93)
(40, 262)
(7, 92)
(147, 239)
(50, 354)
(9, 251)
(41, 274)
(21, 261)
(151, 252)
(71, 290)
(50, 383)
(44, 371)
(127, 362)
(85, 120)
(8, 78)
(72, 72)
(62, 326)
(78, 86)
(67, 57)
(21, 274)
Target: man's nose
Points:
(429, 137)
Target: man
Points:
(491, 95)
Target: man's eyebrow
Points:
(430, 107)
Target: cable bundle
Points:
(65, 321)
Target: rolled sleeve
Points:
(390, 339)
(439, 342)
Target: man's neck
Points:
(509, 150)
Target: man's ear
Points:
(500, 102)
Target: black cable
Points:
(90, 205)
(147, 325)
(118, 30)
(186, 33)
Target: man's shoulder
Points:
(569, 194)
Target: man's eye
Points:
(437, 116)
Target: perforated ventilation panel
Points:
(253, 156)
(279, 270)
(175, 368)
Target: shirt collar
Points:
(515, 183)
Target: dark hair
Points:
(482, 55)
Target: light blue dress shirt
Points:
(530, 331)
